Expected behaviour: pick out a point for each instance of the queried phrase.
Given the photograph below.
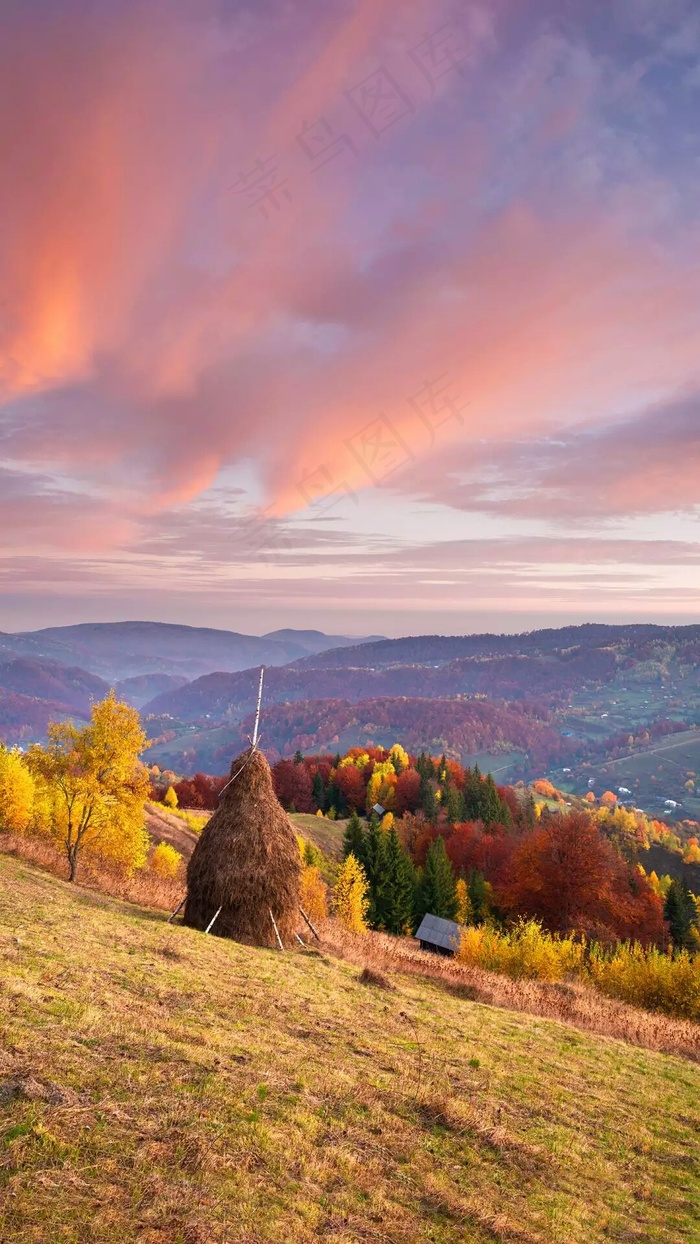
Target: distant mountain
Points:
(68, 686)
(138, 690)
(315, 641)
(530, 674)
(24, 719)
(119, 650)
(639, 638)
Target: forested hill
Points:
(639, 638)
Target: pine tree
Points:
(454, 806)
(399, 889)
(477, 893)
(354, 838)
(298, 758)
(681, 914)
(318, 791)
(428, 802)
(471, 794)
(436, 894)
(491, 806)
(375, 867)
(334, 799)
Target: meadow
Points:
(163, 1087)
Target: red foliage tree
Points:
(407, 796)
(351, 785)
(567, 875)
(293, 785)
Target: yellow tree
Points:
(350, 902)
(16, 792)
(313, 893)
(96, 786)
(464, 907)
(170, 798)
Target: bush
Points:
(165, 861)
(524, 951)
(651, 979)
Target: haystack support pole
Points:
(215, 917)
(257, 711)
(277, 932)
(301, 909)
(180, 905)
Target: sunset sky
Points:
(373, 316)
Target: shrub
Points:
(652, 979)
(165, 861)
(523, 951)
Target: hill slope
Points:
(162, 1087)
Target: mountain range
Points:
(565, 701)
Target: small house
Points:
(440, 936)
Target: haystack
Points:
(246, 861)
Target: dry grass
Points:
(143, 887)
(158, 1086)
(569, 1002)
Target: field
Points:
(161, 1087)
(328, 835)
(653, 775)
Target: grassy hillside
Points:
(160, 1086)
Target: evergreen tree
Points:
(472, 795)
(528, 816)
(436, 894)
(354, 839)
(318, 791)
(454, 806)
(399, 888)
(334, 799)
(375, 866)
(681, 913)
(491, 806)
(477, 894)
(428, 802)
(298, 758)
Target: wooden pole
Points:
(215, 917)
(180, 905)
(277, 932)
(301, 909)
(257, 711)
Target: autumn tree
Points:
(464, 909)
(350, 902)
(170, 798)
(16, 792)
(313, 893)
(292, 783)
(96, 785)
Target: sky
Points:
(378, 316)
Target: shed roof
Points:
(439, 932)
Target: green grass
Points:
(163, 1087)
(328, 835)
